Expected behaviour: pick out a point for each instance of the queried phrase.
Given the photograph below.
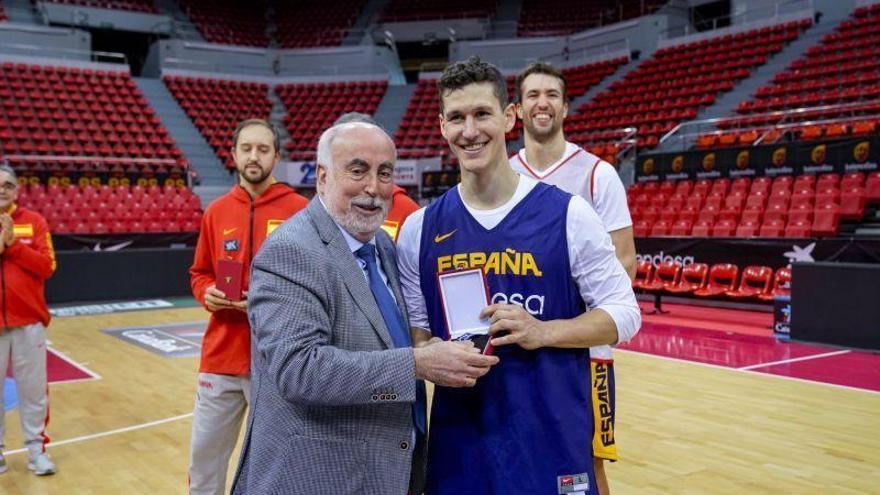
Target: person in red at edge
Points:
(27, 260)
(402, 205)
(234, 227)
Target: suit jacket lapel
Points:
(351, 272)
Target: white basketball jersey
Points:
(584, 174)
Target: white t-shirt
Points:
(584, 174)
(600, 278)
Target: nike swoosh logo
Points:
(440, 238)
(229, 231)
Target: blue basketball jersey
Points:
(527, 426)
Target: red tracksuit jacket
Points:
(24, 268)
(234, 228)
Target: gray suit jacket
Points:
(331, 397)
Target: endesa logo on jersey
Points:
(507, 262)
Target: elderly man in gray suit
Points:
(337, 396)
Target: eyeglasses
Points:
(9, 186)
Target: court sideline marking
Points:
(107, 433)
(793, 360)
(750, 372)
(667, 358)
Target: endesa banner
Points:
(811, 157)
(774, 253)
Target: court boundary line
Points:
(93, 436)
(750, 372)
(794, 360)
(70, 361)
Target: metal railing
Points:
(684, 135)
(64, 53)
(767, 12)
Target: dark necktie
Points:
(393, 321)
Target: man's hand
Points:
(240, 305)
(452, 364)
(215, 299)
(522, 328)
(8, 231)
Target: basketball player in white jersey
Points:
(542, 104)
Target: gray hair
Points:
(4, 167)
(324, 156)
(276, 135)
(356, 117)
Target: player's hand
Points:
(240, 305)
(215, 299)
(521, 327)
(452, 364)
(8, 231)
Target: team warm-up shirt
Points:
(584, 174)
(529, 421)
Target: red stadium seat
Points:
(827, 221)
(748, 228)
(693, 276)
(755, 282)
(702, 228)
(797, 228)
(681, 227)
(667, 274)
(872, 188)
(660, 228)
(852, 203)
(722, 278)
(644, 274)
(772, 228)
(724, 228)
(781, 285)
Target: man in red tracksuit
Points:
(233, 228)
(27, 260)
(402, 206)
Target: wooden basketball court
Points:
(683, 428)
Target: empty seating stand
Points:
(114, 210)
(216, 106)
(70, 115)
(558, 17)
(229, 22)
(314, 23)
(145, 6)
(840, 77)
(424, 10)
(314, 106)
(676, 82)
(785, 206)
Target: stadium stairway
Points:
(725, 105)
(505, 21)
(276, 116)
(359, 32)
(22, 11)
(183, 26)
(393, 106)
(197, 152)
